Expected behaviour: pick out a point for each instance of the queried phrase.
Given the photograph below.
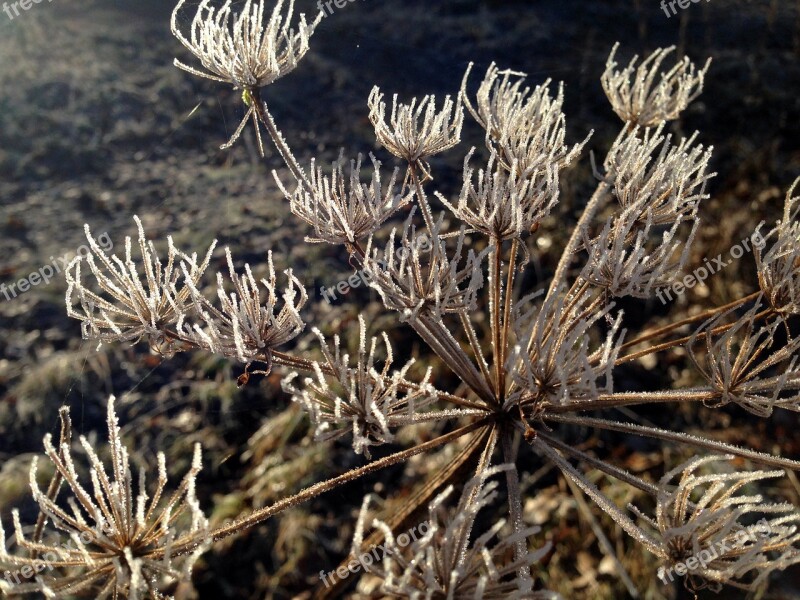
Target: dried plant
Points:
(526, 368)
(119, 542)
(445, 563)
(779, 267)
(715, 536)
(639, 100)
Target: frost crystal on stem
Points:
(247, 326)
(418, 130)
(239, 48)
(526, 128)
(503, 205)
(131, 310)
(742, 365)
(779, 267)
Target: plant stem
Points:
(515, 511)
(421, 198)
(188, 543)
(494, 314)
(604, 401)
(649, 335)
(601, 465)
(684, 340)
(277, 138)
(396, 518)
(680, 438)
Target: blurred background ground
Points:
(96, 125)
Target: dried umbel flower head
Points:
(552, 361)
(131, 309)
(503, 205)
(417, 130)
(709, 531)
(421, 273)
(743, 365)
(450, 561)
(638, 99)
(664, 181)
(342, 209)
(628, 258)
(173, 314)
(656, 188)
(241, 49)
(247, 326)
(119, 540)
(369, 402)
(526, 128)
(779, 267)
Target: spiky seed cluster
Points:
(743, 366)
(779, 267)
(647, 96)
(239, 48)
(342, 209)
(664, 182)
(707, 526)
(247, 326)
(173, 314)
(552, 360)
(502, 205)
(421, 273)
(131, 309)
(526, 128)
(634, 255)
(418, 130)
(118, 541)
(450, 560)
(360, 398)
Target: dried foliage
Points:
(707, 526)
(116, 542)
(638, 99)
(526, 369)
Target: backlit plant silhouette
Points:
(531, 366)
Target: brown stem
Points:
(277, 138)
(601, 465)
(475, 344)
(65, 438)
(604, 401)
(396, 519)
(572, 244)
(512, 265)
(421, 199)
(515, 510)
(684, 340)
(188, 543)
(494, 321)
(654, 333)
(680, 438)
